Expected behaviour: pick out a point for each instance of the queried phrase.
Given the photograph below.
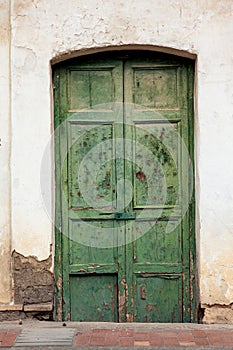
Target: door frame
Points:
(57, 91)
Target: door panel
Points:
(101, 188)
(94, 298)
(87, 257)
(159, 298)
(124, 142)
(162, 150)
(155, 87)
(156, 247)
(92, 86)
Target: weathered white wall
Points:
(5, 117)
(43, 30)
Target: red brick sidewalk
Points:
(8, 337)
(129, 337)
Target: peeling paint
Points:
(143, 293)
(59, 302)
(121, 304)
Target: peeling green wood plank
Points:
(194, 292)
(84, 131)
(63, 128)
(142, 117)
(95, 268)
(58, 242)
(150, 268)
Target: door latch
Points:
(124, 216)
(121, 215)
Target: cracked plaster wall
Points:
(43, 30)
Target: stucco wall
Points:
(43, 30)
(5, 117)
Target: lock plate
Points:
(124, 216)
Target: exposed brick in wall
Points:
(32, 279)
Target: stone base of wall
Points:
(42, 312)
(221, 314)
(212, 314)
(33, 282)
(33, 289)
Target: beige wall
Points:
(43, 30)
(5, 136)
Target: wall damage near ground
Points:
(33, 289)
(218, 314)
(32, 280)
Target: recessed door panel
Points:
(159, 298)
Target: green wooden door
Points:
(124, 207)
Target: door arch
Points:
(125, 232)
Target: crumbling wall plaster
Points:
(33, 280)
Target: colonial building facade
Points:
(115, 156)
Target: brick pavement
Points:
(8, 337)
(129, 337)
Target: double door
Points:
(124, 200)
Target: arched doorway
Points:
(124, 191)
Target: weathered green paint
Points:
(151, 279)
(99, 297)
(152, 291)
